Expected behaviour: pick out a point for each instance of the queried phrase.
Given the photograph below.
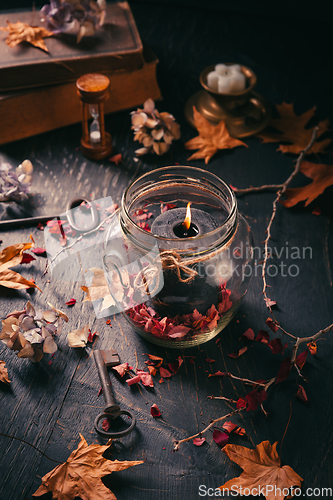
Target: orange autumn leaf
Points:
(322, 177)
(9, 257)
(23, 32)
(294, 131)
(211, 138)
(4, 373)
(81, 475)
(261, 469)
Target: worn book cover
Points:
(115, 46)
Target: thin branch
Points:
(223, 398)
(275, 202)
(257, 189)
(32, 446)
(314, 337)
(213, 422)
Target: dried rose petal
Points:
(41, 252)
(220, 438)
(121, 369)
(133, 380)
(229, 427)
(116, 158)
(106, 424)
(312, 346)
(248, 334)
(284, 370)
(71, 302)
(275, 346)
(301, 394)
(262, 336)
(164, 372)
(217, 374)
(300, 359)
(27, 258)
(236, 354)
(199, 441)
(209, 360)
(145, 378)
(273, 325)
(155, 412)
(174, 367)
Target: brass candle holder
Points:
(245, 113)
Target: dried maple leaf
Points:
(211, 138)
(81, 475)
(322, 177)
(261, 470)
(294, 131)
(23, 32)
(9, 257)
(3, 373)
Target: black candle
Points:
(177, 297)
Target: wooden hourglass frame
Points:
(93, 90)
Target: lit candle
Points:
(227, 79)
(180, 223)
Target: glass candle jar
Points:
(178, 284)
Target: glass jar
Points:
(177, 287)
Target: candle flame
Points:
(187, 221)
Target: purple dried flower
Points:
(15, 186)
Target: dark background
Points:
(288, 45)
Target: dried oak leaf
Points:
(81, 475)
(9, 257)
(294, 131)
(322, 177)
(261, 468)
(23, 32)
(211, 138)
(3, 373)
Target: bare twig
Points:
(307, 340)
(32, 446)
(281, 191)
(257, 189)
(223, 398)
(213, 422)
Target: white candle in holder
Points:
(227, 79)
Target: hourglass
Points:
(93, 90)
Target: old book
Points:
(115, 46)
(30, 112)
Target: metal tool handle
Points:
(111, 406)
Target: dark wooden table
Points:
(48, 405)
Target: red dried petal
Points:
(242, 403)
(100, 391)
(71, 302)
(284, 370)
(300, 359)
(108, 322)
(121, 369)
(229, 427)
(145, 378)
(301, 394)
(174, 367)
(269, 302)
(252, 399)
(116, 158)
(276, 346)
(40, 226)
(152, 370)
(235, 355)
(164, 372)
(220, 438)
(199, 441)
(240, 431)
(155, 412)
(248, 334)
(106, 424)
(210, 360)
(216, 374)
(27, 258)
(41, 252)
(262, 336)
(273, 325)
(91, 336)
(262, 396)
(133, 380)
(316, 211)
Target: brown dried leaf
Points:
(9, 257)
(78, 338)
(210, 139)
(322, 177)
(294, 131)
(261, 468)
(22, 32)
(3, 373)
(81, 475)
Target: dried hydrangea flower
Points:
(15, 186)
(154, 130)
(31, 332)
(79, 17)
